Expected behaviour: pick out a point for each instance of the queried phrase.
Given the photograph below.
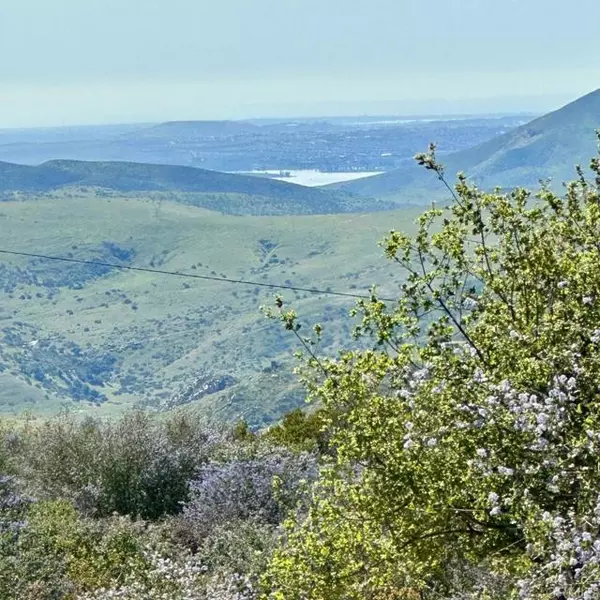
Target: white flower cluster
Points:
(541, 417)
(168, 579)
(536, 459)
(567, 566)
(231, 587)
(571, 559)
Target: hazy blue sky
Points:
(93, 61)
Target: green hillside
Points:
(545, 147)
(260, 196)
(111, 339)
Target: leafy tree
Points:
(299, 430)
(467, 437)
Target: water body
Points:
(314, 178)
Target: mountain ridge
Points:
(548, 146)
(186, 130)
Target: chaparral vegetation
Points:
(452, 454)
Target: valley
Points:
(99, 338)
(108, 340)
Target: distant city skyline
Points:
(74, 62)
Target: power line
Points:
(190, 275)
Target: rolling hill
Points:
(100, 339)
(229, 193)
(549, 146)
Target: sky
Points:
(70, 62)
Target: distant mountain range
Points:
(547, 147)
(262, 195)
(147, 158)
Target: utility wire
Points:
(190, 275)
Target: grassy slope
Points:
(546, 147)
(182, 329)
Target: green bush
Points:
(300, 430)
(136, 466)
(56, 554)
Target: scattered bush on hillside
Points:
(467, 439)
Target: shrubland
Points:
(143, 506)
(453, 453)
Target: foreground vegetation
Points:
(456, 458)
(467, 440)
(144, 508)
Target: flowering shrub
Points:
(165, 579)
(13, 514)
(262, 487)
(241, 546)
(214, 499)
(569, 557)
(179, 583)
(467, 440)
(13, 505)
